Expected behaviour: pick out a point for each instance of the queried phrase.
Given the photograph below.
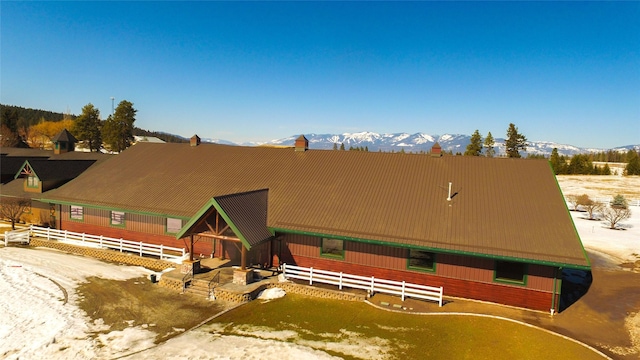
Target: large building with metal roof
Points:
(492, 229)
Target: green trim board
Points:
(584, 251)
(204, 210)
(436, 250)
(33, 182)
(507, 280)
(71, 213)
(431, 269)
(245, 214)
(338, 255)
(17, 175)
(122, 222)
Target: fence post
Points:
(284, 270)
(161, 253)
(340, 286)
(310, 276)
(83, 237)
(403, 291)
(66, 234)
(373, 285)
(49, 233)
(440, 300)
(140, 248)
(120, 244)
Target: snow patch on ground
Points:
(270, 294)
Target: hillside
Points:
(416, 143)
(28, 117)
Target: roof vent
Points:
(436, 150)
(195, 140)
(302, 144)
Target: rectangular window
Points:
(174, 225)
(422, 260)
(117, 218)
(33, 182)
(76, 212)
(333, 248)
(511, 272)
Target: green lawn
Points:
(355, 330)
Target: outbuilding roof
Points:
(498, 208)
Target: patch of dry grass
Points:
(138, 302)
(600, 186)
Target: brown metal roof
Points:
(509, 208)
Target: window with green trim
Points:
(421, 260)
(117, 218)
(76, 212)
(332, 248)
(173, 225)
(33, 182)
(511, 272)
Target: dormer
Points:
(32, 182)
(63, 142)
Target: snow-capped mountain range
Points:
(416, 143)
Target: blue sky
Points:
(255, 71)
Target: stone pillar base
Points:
(242, 277)
(188, 265)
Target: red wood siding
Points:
(461, 276)
(497, 293)
(202, 247)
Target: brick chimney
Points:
(302, 144)
(436, 150)
(195, 140)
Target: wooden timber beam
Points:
(219, 237)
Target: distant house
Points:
(27, 173)
(151, 139)
(491, 229)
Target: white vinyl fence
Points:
(169, 253)
(371, 284)
(631, 202)
(16, 236)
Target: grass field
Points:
(354, 330)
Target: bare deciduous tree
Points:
(614, 214)
(574, 200)
(591, 206)
(13, 209)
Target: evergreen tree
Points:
(580, 165)
(118, 130)
(606, 170)
(633, 163)
(489, 142)
(475, 145)
(335, 146)
(341, 146)
(366, 148)
(514, 142)
(87, 127)
(557, 162)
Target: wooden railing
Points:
(163, 252)
(371, 284)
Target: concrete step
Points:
(200, 292)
